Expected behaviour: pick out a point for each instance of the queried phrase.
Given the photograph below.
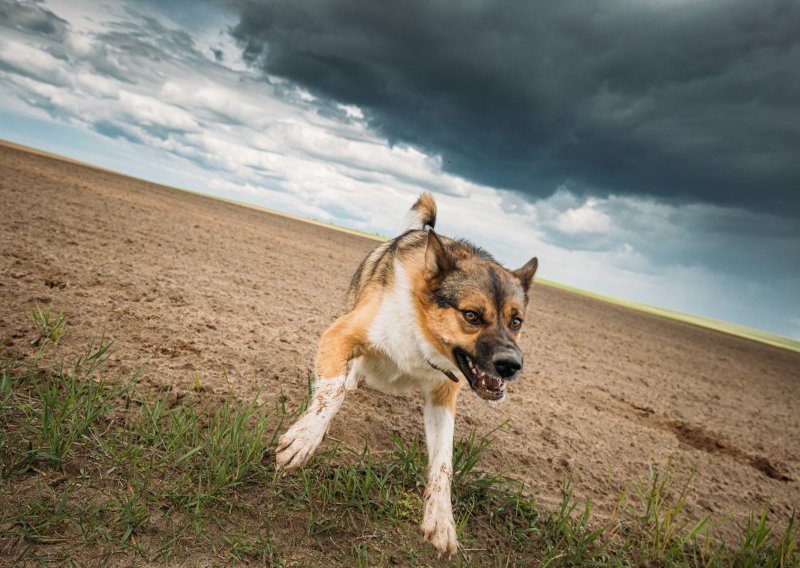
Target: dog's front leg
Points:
(336, 348)
(438, 526)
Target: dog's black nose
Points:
(507, 365)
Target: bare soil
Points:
(235, 299)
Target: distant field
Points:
(700, 321)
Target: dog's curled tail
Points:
(422, 214)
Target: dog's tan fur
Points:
(424, 312)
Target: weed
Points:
(572, 538)
(410, 461)
(7, 388)
(759, 548)
(131, 508)
(67, 405)
(49, 326)
(45, 517)
(662, 517)
(258, 546)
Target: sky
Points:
(647, 150)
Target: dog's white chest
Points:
(394, 333)
(394, 330)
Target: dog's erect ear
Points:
(438, 260)
(525, 274)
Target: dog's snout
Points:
(507, 364)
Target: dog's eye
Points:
(516, 323)
(472, 317)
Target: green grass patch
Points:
(96, 470)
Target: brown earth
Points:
(236, 298)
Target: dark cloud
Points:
(679, 100)
(30, 17)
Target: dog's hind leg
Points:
(355, 374)
(340, 343)
(438, 526)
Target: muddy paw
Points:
(440, 530)
(296, 447)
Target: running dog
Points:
(424, 312)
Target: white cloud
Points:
(150, 111)
(33, 62)
(352, 111)
(584, 219)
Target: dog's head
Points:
(475, 311)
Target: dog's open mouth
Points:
(486, 386)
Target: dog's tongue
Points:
(493, 383)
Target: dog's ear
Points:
(525, 274)
(438, 260)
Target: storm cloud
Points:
(682, 101)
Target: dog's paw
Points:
(439, 528)
(297, 446)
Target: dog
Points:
(424, 312)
